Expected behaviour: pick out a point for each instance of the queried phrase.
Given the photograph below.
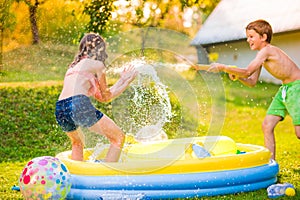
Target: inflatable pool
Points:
(174, 168)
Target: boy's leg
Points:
(77, 141)
(268, 126)
(297, 131)
(108, 128)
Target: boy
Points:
(277, 63)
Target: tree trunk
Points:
(1, 49)
(33, 22)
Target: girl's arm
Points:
(126, 77)
(107, 94)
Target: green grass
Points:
(42, 62)
(28, 126)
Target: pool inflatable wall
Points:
(172, 169)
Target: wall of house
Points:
(238, 53)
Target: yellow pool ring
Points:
(158, 158)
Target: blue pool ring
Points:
(174, 185)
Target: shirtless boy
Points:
(278, 64)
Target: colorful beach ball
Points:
(45, 178)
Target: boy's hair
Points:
(91, 45)
(261, 27)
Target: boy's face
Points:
(254, 39)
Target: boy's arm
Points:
(253, 67)
(201, 67)
(251, 80)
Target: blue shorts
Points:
(76, 111)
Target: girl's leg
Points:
(77, 140)
(108, 128)
(268, 126)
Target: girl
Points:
(84, 78)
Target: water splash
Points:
(144, 110)
(152, 101)
(98, 150)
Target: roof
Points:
(228, 20)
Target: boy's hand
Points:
(233, 77)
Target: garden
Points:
(39, 43)
(29, 129)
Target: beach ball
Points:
(45, 178)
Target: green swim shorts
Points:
(287, 101)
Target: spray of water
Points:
(146, 110)
(158, 102)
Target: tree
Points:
(185, 16)
(4, 15)
(170, 14)
(99, 12)
(205, 6)
(180, 15)
(33, 7)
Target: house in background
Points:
(223, 33)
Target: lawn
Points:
(28, 127)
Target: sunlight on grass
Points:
(9, 176)
(30, 86)
(42, 62)
(33, 84)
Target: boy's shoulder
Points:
(271, 50)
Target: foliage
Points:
(19, 32)
(4, 15)
(62, 21)
(100, 14)
(58, 21)
(67, 21)
(206, 5)
(181, 15)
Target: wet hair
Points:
(91, 46)
(261, 27)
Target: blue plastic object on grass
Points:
(200, 151)
(17, 188)
(278, 190)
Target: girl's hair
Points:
(91, 46)
(261, 27)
